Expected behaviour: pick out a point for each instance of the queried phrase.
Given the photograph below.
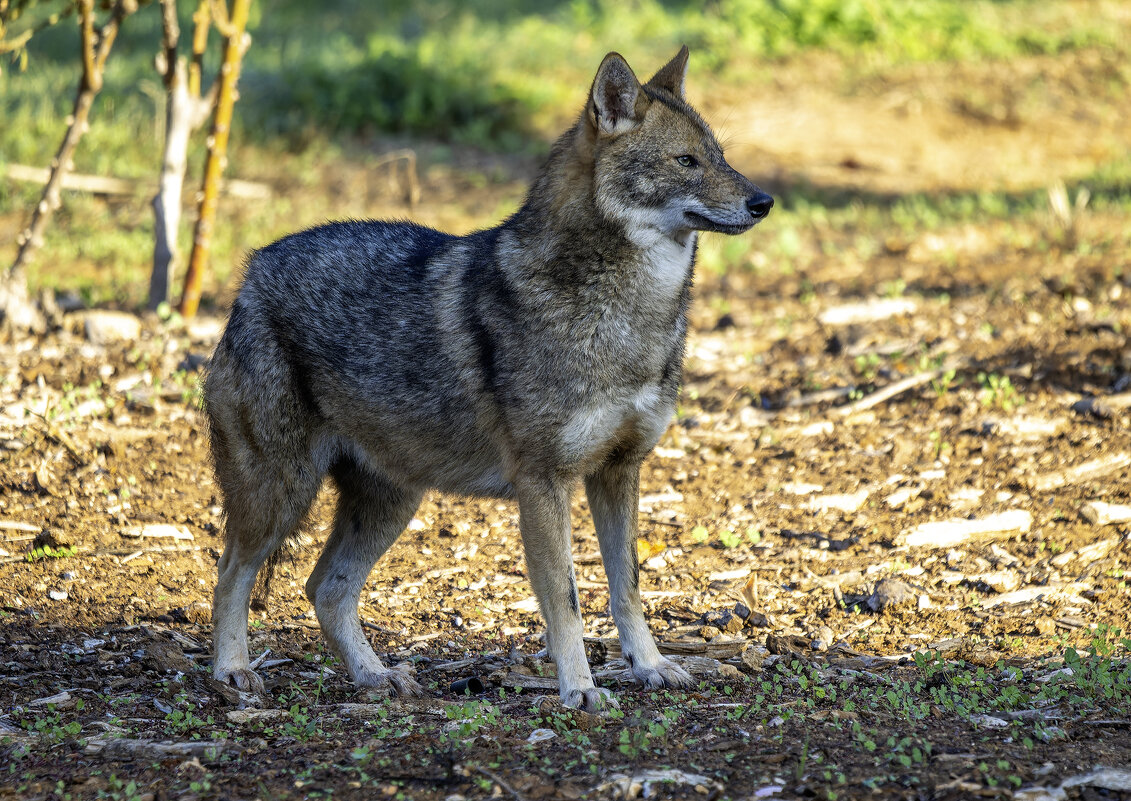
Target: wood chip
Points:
(244, 717)
(158, 530)
(1105, 514)
(947, 533)
(1087, 554)
(848, 502)
(524, 681)
(15, 525)
(1052, 592)
(716, 649)
(869, 311)
(147, 750)
(57, 700)
(1088, 471)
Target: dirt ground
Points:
(979, 375)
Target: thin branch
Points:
(223, 22)
(86, 25)
(497, 779)
(217, 157)
(170, 36)
(19, 41)
(892, 390)
(201, 18)
(94, 61)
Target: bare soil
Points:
(790, 485)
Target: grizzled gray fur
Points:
(515, 362)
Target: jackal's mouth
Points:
(702, 223)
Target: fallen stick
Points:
(15, 525)
(208, 751)
(723, 649)
(945, 533)
(497, 779)
(892, 390)
(1096, 468)
(526, 682)
(869, 311)
(108, 185)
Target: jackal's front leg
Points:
(544, 521)
(614, 493)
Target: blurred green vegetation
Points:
(494, 74)
(501, 76)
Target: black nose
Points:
(759, 205)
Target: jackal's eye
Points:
(687, 161)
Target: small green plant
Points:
(52, 727)
(998, 390)
(42, 552)
(183, 719)
(867, 366)
(939, 447)
(119, 790)
(470, 718)
(893, 289)
(300, 722)
(729, 539)
(945, 382)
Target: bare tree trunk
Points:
(17, 310)
(234, 29)
(184, 112)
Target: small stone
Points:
(57, 595)
(1001, 580)
(728, 671)
(891, 593)
(106, 327)
(206, 330)
(709, 632)
(822, 639)
(752, 657)
(955, 558)
(749, 417)
(724, 620)
(741, 610)
(1046, 626)
(541, 735)
(198, 612)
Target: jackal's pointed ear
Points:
(671, 76)
(616, 102)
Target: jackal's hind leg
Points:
(371, 515)
(251, 536)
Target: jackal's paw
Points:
(389, 682)
(590, 699)
(243, 679)
(664, 673)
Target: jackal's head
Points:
(657, 167)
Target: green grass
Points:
(487, 72)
